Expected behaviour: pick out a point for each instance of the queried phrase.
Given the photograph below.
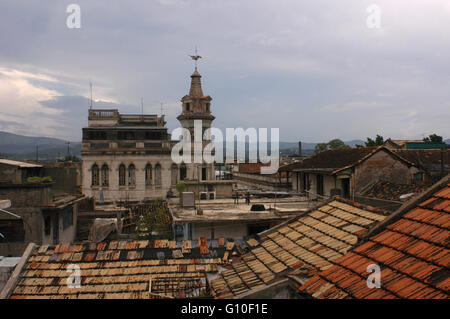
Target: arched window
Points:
(95, 177)
(174, 174)
(104, 175)
(158, 180)
(131, 175)
(122, 175)
(148, 175)
(183, 172)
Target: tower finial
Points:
(195, 57)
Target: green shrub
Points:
(37, 179)
(181, 187)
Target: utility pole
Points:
(37, 153)
(68, 148)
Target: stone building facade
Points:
(46, 217)
(127, 158)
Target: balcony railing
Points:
(103, 114)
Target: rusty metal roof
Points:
(18, 163)
(122, 269)
(412, 252)
(311, 241)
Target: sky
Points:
(313, 69)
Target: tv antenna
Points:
(90, 84)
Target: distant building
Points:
(45, 217)
(348, 172)
(249, 174)
(413, 144)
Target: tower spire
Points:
(196, 84)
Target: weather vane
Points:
(195, 57)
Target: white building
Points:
(127, 158)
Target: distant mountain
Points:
(24, 147)
(51, 153)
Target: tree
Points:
(320, 147)
(181, 187)
(337, 143)
(154, 222)
(379, 140)
(433, 138)
(333, 144)
(70, 158)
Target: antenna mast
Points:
(90, 84)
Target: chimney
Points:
(300, 149)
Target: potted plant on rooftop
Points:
(181, 187)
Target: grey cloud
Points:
(270, 63)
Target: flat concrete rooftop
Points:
(226, 210)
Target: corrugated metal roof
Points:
(18, 163)
(412, 252)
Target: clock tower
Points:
(197, 107)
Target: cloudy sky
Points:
(312, 68)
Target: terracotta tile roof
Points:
(310, 241)
(122, 269)
(424, 157)
(412, 252)
(392, 191)
(337, 159)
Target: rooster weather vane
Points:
(195, 57)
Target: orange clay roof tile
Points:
(413, 253)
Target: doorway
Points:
(345, 182)
(55, 228)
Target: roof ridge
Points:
(372, 209)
